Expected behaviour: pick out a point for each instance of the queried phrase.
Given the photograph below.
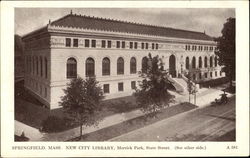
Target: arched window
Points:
(71, 68)
(133, 65)
(215, 61)
(211, 61)
(106, 66)
(205, 62)
(90, 67)
(120, 66)
(41, 66)
(144, 64)
(200, 62)
(193, 63)
(187, 62)
(46, 67)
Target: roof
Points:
(87, 22)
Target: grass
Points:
(31, 111)
(133, 124)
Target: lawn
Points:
(133, 124)
(31, 111)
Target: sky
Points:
(194, 19)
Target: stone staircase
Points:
(180, 85)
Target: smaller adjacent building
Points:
(112, 50)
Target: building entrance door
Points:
(172, 67)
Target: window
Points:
(75, 42)
(123, 44)
(120, 66)
(186, 47)
(220, 73)
(211, 74)
(90, 67)
(109, 44)
(86, 43)
(215, 61)
(194, 77)
(31, 64)
(153, 46)
(200, 75)
(211, 61)
(205, 62)
(133, 65)
(68, 42)
(193, 63)
(200, 62)
(103, 44)
(105, 66)
(201, 48)
(135, 45)
(144, 64)
(131, 45)
(71, 68)
(46, 67)
(106, 88)
(133, 85)
(117, 44)
(41, 66)
(156, 46)
(215, 73)
(36, 65)
(206, 75)
(93, 43)
(187, 62)
(146, 45)
(45, 92)
(120, 86)
(142, 45)
(40, 90)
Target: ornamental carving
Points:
(57, 42)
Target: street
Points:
(210, 123)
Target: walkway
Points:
(204, 97)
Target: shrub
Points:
(214, 82)
(53, 124)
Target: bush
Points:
(53, 124)
(214, 82)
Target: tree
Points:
(82, 101)
(226, 48)
(191, 88)
(153, 94)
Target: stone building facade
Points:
(114, 52)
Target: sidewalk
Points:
(203, 98)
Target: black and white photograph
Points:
(126, 75)
(86, 76)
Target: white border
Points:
(212, 148)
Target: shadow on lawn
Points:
(135, 123)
